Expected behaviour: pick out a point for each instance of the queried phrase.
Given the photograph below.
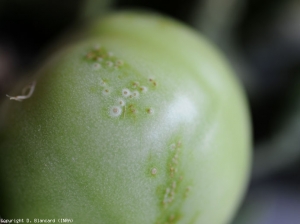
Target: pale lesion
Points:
(27, 92)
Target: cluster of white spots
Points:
(134, 92)
(170, 192)
(115, 111)
(126, 92)
(106, 58)
(153, 171)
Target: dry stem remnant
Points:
(24, 96)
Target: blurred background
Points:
(261, 39)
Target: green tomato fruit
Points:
(142, 122)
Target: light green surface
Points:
(179, 151)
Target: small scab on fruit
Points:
(154, 171)
(133, 110)
(151, 80)
(187, 191)
(102, 83)
(121, 102)
(174, 184)
(135, 84)
(106, 91)
(173, 146)
(119, 63)
(171, 218)
(126, 92)
(97, 46)
(115, 111)
(109, 63)
(178, 144)
(135, 94)
(150, 111)
(90, 55)
(96, 66)
(143, 89)
(168, 197)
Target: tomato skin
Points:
(141, 122)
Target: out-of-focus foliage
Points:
(272, 203)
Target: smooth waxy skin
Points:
(143, 122)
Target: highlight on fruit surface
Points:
(142, 121)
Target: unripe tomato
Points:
(141, 122)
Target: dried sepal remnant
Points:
(29, 88)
